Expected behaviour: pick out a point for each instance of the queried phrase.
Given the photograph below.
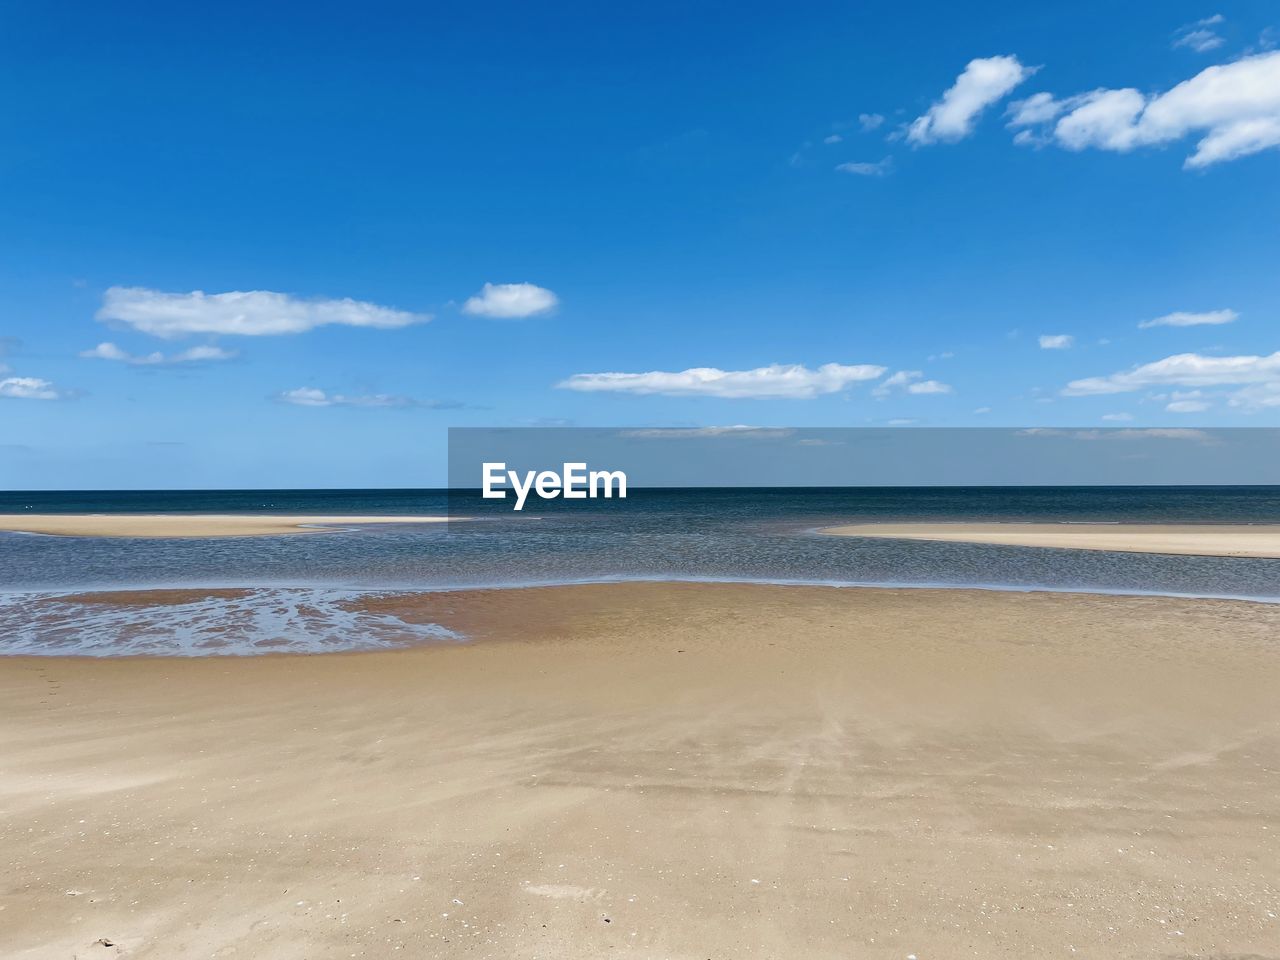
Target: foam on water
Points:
(256, 621)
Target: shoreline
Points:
(1244, 541)
(192, 525)
(411, 635)
(402, 589)
(787, 770)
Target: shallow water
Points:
(303, 581)
(256, 621)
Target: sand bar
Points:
(1205, 540)
(664, 770)
(187, 524)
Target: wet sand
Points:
(665, 770)
(1205, 540)
(186, 524)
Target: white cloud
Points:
(29, 388)
(1037, 108)
(510, 301)
(205, 354)
(912, 382)
(834, 138)
(1125, 433)
(983, 82)
(1117, 417)
(251, 313)
(1182, 370)
(202, 354)
(108, 351)
(311, 397)
(1181, 318)
(1234, 106)
(1201, 41)
(698, 433)
(1187, 406)
(1237, 140)
(899, 379)
(1257, 396)
(306, 397)
(1104, 118)
(981, 411)
(877, 169)
(1167, 433)
(870, 121)
(785, 381)
(1056, 341)
(929, 386)
(1200, 36)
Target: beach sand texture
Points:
(665, 770)
(1206, 540)
(187, 524)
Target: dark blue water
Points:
(753, 534)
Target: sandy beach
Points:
(187, 525)
(664, 770)
(1205, 540)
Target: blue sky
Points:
(818, 214)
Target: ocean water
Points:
(298, 589)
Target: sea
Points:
(300, 593)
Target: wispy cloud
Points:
(878, 169)
(912, 381)
(1259, 378)
(242, 313)
(1258, 396)
(29, 388)
(740, 431)
(1125, 433)
(1200, 36)
(205, 354)
(1183, 319)
(929, 387)
(313, 397)
(510, 301)
(983, 82)
(782, 381)
(870, 121)
(1035, 109)
(1235, 106)
(1056, 341)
